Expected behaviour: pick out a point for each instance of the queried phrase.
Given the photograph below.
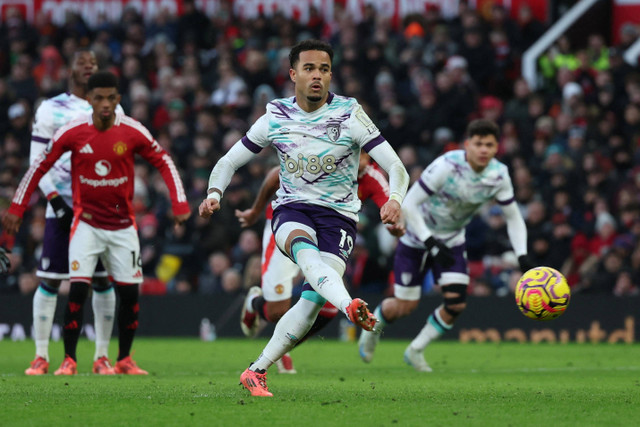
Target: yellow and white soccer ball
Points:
(542, 293)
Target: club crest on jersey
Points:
(102, 168)
(333, 131)
(75, 265)
(120, 148)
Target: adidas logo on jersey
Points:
(86, 149)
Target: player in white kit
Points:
(437, 208)
(318, 136)
(272, 299)
(51, 115)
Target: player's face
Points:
(480, 150)
(84, 66)
(312, 76)
(104, 101)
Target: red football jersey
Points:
(373, 185)
(102, 171)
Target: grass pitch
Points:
(196, 383)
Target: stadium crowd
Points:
(198, 81)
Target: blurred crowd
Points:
(198, 82)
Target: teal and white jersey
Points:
(456, 192)
(51, 115)
(319, 151)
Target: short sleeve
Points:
(363, 130)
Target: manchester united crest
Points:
(333, 131)
(75, 265)
(120, 148)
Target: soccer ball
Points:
(542, 293)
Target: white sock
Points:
(322, 278)
(44, 308)
(248, 306)
(433, 330)
(291, 328)
(104, 307)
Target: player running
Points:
(318, 136)
(102, 147)
(269, 302)
(437, 208)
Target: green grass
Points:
(196, 383)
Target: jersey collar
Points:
(330, 97)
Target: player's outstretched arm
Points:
(208, 207)
(399, 228)
(221, 175)
(12, 220)
(269, 186)
(11, 223)
(517, 231)
(390, 212)
(182, 218)
(152, 152)
(411, 211)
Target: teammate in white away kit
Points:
(437, 208)
(318, 137)
(51, 115)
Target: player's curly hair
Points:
(305, 45)
(102, 79)
(482, 127)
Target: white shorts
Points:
(278, 271)
(119, 251)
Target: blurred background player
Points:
(270, 301)
(318, 136)
(436, 210)
(56, 186)
(103, 145)
(5, 263)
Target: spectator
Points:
(530, 28)
(232, 282)
(196, 81)
(248, 246)
(210, 280)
